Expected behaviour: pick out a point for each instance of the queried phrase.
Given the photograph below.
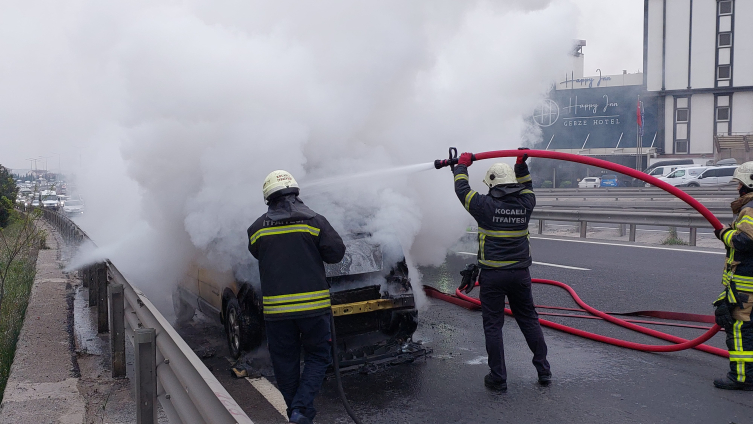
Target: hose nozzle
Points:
(451, 161)
(441, 163)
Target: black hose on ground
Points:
(338, 380)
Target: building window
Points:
(724, 19)
(723, 114)
(725, 39)
(724, 72)
(725, 7)
(682, 124)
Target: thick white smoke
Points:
(173, 112)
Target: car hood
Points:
(362, 256)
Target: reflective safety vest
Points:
(502, 218)
(291, 254)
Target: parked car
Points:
(661, 171)
(372, 303)
(609, 180)
(589, 182)
(681, 176)
(714, 176)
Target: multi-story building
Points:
(698, 58)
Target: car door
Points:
(708, 178)
(725, 175)
(211, 284)
(676, 177)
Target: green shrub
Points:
(546, 184)
(18, 252)
(566, 184)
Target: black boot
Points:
(728, 384)
(545, 379)
(497, 385)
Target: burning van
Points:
(372, 302)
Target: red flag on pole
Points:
(638, 114)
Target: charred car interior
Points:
(372, 303)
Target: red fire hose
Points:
(681, 344)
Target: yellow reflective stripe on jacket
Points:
(745, 219)
(496, 264)
(524, 178)
(468, 198)
(741, 356)
(526, 192)
(728, 237)
(461, 177)
(290, 298)
(284, 229)
(742, 282)
(490, 233)
(297, 307)
(481, 243)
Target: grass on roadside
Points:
(15, 291)
(673, 240)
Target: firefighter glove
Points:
(466, 159)
(470, 274)
(522, 159)
(723, 314)
(720, 232)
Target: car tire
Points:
(693, 185)
(237, 329)
(183, 311)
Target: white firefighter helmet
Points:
(743, 174)
(276, 181)
(500, 173)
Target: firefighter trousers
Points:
(285, 339)
(740, 345)
(516, 285)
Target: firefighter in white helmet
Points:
(504, 257)
(292, 242)
(734, 305)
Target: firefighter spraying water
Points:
(503, 257)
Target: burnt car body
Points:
(373, 306)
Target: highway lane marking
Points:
(269, 391)
(539, 263)
(630, 245)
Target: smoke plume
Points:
(171, 113)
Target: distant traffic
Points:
(41, 193)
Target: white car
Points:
(589, 182)
(681, 176)
(714, 176)
(73, 207)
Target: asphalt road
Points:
(592, 382)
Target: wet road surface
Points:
(592, 382)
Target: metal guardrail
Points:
(643, 192)
(720, 207)
(166, 368)
(692, 220)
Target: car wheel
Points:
(693, 185)
(183, 311)
(237, 329)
